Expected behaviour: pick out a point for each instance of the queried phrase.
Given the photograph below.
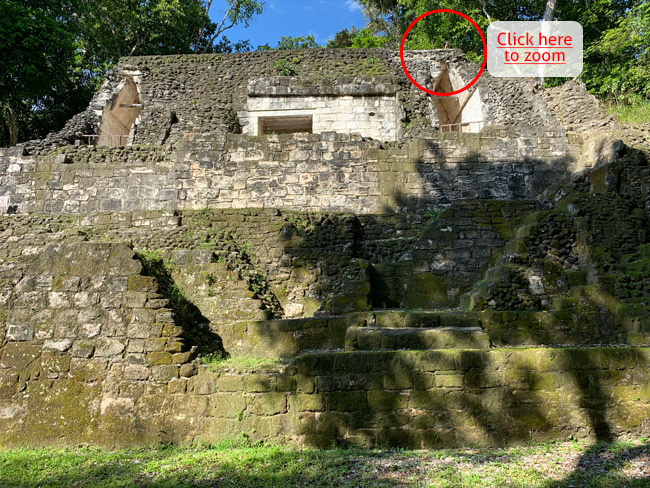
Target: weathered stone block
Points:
(138, 330)
(177, 386)
(88, 370)
(202, 384)
(387, 400)
(449, 381)
(158, 358)
(109, 347)
(312, 403)
(349, 401)
(188, 370)
(229, 382)
(83, 349)
(267, 403)
(55, 364)
(60, 346)
(136, 372)
(164, 372)
(18, 355)
(227, 405)
(256, 383)
(20, 332)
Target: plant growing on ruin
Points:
(285, 68)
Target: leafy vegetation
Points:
(633, 113)
(285, 68)
(616, 35)
(288, 42)
(54, 53)
(241, 463)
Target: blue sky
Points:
(321, 18)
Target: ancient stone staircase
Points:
(417, 330)
(221, 294)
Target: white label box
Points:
(534, 49)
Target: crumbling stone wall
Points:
(576, 109)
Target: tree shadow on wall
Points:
(368, 395)
(195, 325)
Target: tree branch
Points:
(202, 28)
(233, 12)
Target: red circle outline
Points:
(401, 52)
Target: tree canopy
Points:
(616, 34)
(54, 53)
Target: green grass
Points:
(631, 113)
(219, 362)
(242, 464)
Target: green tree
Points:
(54, 53)
(619, 66)
(615, 34)
(36, 54)
(237, 12)
(358, 38)
(288, 42)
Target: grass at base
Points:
(631, 113)
(550, 465)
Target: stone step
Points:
(638, 338)
(416, 338)
(423, 318)
(220, 303)
(240, 293)
(236, 316)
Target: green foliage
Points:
(37, 56)
(222, 362)
(55, 53)
(623, 54)
(288, 42)
(358, 38)
(213, 357)
(115, 28)
(302, 42)
(285, 68)
(616, 35)
(634, 113)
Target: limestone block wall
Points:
(82, 335)
(410, 399)
(322, 172)
(368, 106)
(374, 117)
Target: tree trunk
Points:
(549, 11)
(13, 127)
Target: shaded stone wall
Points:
(326, 172)
(415, 399)
(313, 263)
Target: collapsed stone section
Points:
(200, 97)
